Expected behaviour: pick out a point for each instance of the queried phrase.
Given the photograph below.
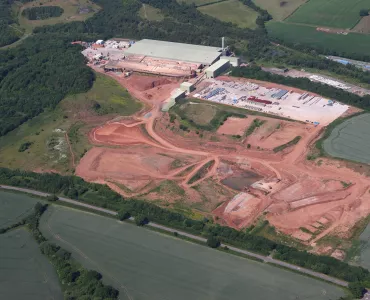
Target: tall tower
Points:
(223, 44)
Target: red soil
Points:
(294, 192)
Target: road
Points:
(267, 259)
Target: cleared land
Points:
(333, 13)
(279, 9)
(139, 262)
(306, 35)
(350, 140)
(14, 207)
(232, 11)
(73, 117)
(74, 10)
(150, 13)
(25, 273)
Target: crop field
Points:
(149, 265)
(14, 207)
(197, 2)
(74, 10)
(232, 11)
(47, 132)
(333, 13)
(25, 273)
(350, 140)
(306, 35)
(150, 13)
(278, 9)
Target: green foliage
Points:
(42, 12)
(201, 172)
(213, 242)
(288, 144)
(52, 198)
(123, 215)
(25, 146)
(357, 289)
(141, 220)
(364, 12)
(255, 124)
(330, 92)
(8, 34)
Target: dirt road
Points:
(266, 259)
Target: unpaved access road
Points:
(267, 259)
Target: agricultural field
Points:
(334, 13)
(14, 207)
(232, 11)
(47, 133)
(25, 273)
(278, 9)
(350, 140)
(138, 262)
(306, 35)
(198, 2)
(74, 10)
(150, 13)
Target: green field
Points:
(365, 248)
(330, 13)
(306, 35)
(71, 12)
(149, 265)
(197, 2)
(46, 132)
(278, 9)
(14, 207)
(24, 272)
(350, 139)
(150, 13)
(232, 11)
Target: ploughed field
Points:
(148, 265)
(350, 139)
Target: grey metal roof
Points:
(175, 51)
(217, 65)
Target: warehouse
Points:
(203, 55)
(217, 68)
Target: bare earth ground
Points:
(293, 193)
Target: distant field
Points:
(153, 266)
(197, 2)
(74, 10)
(232, 11)
(150, 13)
(306, 35)
(25, 273)
(350, 139)
(14, 207)
(46, 132)
(330, 13)
(279, 9)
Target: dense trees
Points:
(213, 242)
(255, 72)
(8, 34)
(42, 12)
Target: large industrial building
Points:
(203, 55)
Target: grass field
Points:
(14, 207)
(149, 265)
(197, 2)
(365, 248)
(73, 11)
(306, 35)
(150, 13)
(232, 11)
(350, 140)
(330, 13)
(47, 132)
(24, 272)
(278, 9)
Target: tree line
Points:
(42, 12)
(255, 72)
(104, 197)
(77, 282)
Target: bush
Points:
(123, 215)
(52, 198)
(357, 289)
(141, 220)
(213, 242)
(24, 146)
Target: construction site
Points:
(246, 168)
